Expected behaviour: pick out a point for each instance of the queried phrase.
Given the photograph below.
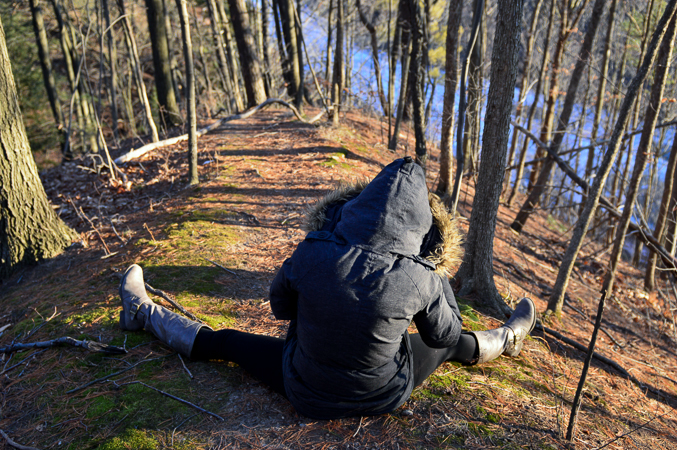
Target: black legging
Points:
(261, 356)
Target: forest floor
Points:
(257, 176)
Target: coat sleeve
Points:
(283, 296)
(451, 299)
(437, 322)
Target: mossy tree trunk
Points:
(29, 229)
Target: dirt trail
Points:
(257, 177)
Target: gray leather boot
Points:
(509, 338)
(139, 312)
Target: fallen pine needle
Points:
(104, 378)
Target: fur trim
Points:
(315, 214)
(446, 256)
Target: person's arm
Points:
(438, 324)
(283, 296)
(451, 299)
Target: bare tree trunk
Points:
(267, 65)
(450, 82)
(169, 109)
(136, 65)
(401, 102)
(113, 76)
(418, 48)
(374, 57)
(46, 63)
(30, 231)
(231, 89)
(251, 66)
(190, 100)
(328, 60)
(563, 122)
(474, 102)
(556, 299)
(338, 77)
(526, 73)
(649, 276)
(476, 272)
(532, 108)
(231, 51)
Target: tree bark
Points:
(30, 231)
(556, 299)
(584, 56)
(113, 76)
(169, 109)
(246, 46)
(476, 272)
(450, 83)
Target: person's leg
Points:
(260, 356)
(427, 359)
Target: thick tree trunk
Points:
(246, 46)
(556, 299)
(190, 80)
(476, 272)
(450, 83)
(584, 56)
(29, 229)
(169, 109)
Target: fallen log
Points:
(92, 346)
(171, 141)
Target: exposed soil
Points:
(257, 177)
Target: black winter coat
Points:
(354, 285)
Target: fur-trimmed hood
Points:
(445, 251)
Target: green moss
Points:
(131, 440)
(101, 405)
(555, 225)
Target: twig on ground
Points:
(567, 303)
(11, 443)
(104, 378)
(4, 371)
(82, 215)
(88, 345)
(172, 302)
(184, 366)
(219, 265)
(185, 402)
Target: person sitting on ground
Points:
(376, 258)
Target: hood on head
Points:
(394, 213)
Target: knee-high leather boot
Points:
(509, 338)
(140, 312)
